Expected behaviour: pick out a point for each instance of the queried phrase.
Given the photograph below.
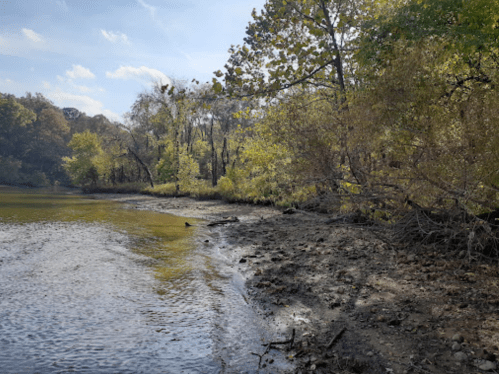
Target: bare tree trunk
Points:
(214, 161)
(225, 157)
(146, 169)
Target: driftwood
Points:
(224, 221)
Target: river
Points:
(93, 286)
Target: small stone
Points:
(487, 366)
(457, 338)
(381, 318)
(242, 261)
(370, 354)
(313, 367)
(460, 356)
(456, 346)
(206, 241)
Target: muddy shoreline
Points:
(357, 301)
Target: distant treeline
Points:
(34, 137)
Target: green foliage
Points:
(302, 42)
(87, 164)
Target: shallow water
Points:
(90, 286)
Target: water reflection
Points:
(90, 286)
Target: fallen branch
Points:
(224, 221)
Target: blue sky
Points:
(97, 56)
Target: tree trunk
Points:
(214, 161)
(146, 169)
(225, 157)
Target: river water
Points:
(92, 286)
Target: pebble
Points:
(456, 346)
(381, 318)
(370, 354)
(460, 356)
(457, 338)
(487, 366)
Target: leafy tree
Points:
(295, 42)
(14, 118)
(86, 164)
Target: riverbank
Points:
(358, 302)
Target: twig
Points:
(290, 341)
(269, 347)
(336, 338)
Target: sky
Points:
(97, 56)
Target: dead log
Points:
(224, 221)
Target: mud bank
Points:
(357, 301)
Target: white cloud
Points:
(80, 72)
(46, 85)
(33, 36)
(151, 9)
(115, 37)
(140, 74)
(83, 103)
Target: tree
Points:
(429, 103)
(86, 164)
(294, 42)
(14, 118)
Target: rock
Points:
(457, 338)
(242, 261)
(187, 224)
(381, 318)
(460, 356)
(206, 241)
(289, 211)
(456, 346)
(370, 354)
(487, 366)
